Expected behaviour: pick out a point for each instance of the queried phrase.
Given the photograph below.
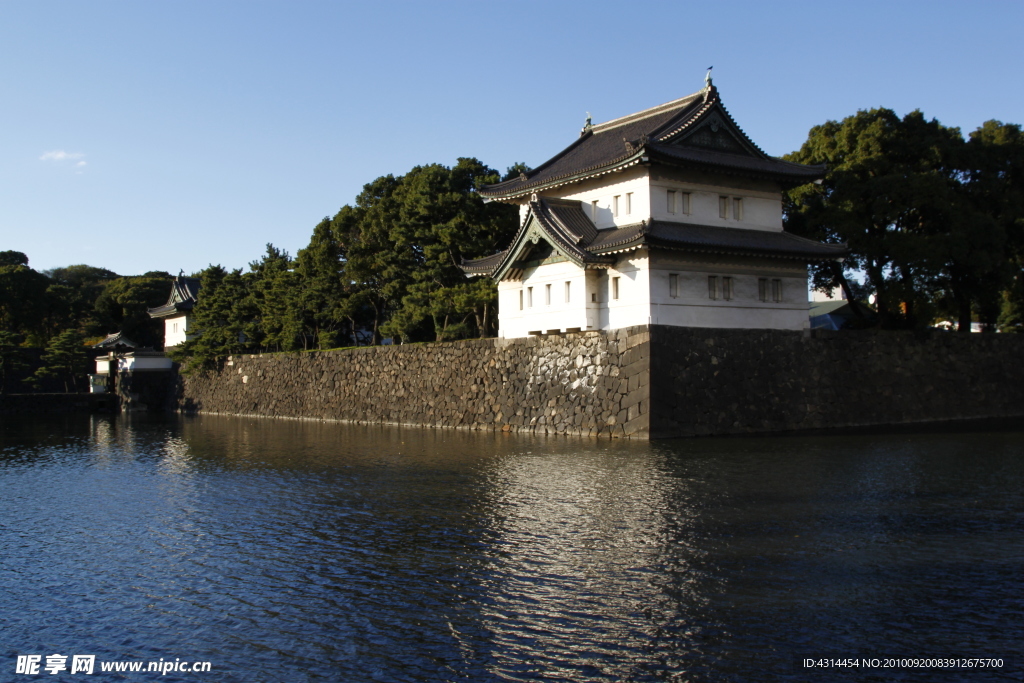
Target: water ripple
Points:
(285, 551)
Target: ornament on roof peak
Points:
(709, 87)
(587, 126)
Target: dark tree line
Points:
(384, 267)
(63, 310)
(935, 222)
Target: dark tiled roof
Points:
(661, 130)
(770, 166)
(568, 213)
(184, 294)
(587, 245)
(565, 226)
(711, 239)
(114, 340)
(485, 265)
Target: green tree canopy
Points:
(65, 358)
(121, 307)
(913, 200)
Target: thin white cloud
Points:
(61, 155)
(80, 163)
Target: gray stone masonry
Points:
(593, 384)
(642, 382)
(753, 381)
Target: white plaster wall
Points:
(175, 330)
(633, 305)
(604, 189)
(694, 308)
(559, 315)
(131, 363)
(761, 210)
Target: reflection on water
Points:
(291, 551)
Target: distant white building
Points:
(176, 313)
(670, 216)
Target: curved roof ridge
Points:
(647, 113)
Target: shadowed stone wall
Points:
(641, 382)
(585, 384)
(748, 381)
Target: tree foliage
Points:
(64, 358)
(386, 266)
(929, 217)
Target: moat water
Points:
(292, 551)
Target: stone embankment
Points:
(582, 384)
(757, 381)
(643, 382)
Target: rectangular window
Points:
(723, 207)
(671, 201)
(615, 288)
(712, 286)
(727, 288)
(762, 289)
(547, 295)
(673, 285)
(593, 297)
(684, 201)
(593, 210)
(737, 208)
(529, 297)
(629, 203)
(520, 299)
(776, 290)
(175, 327)
(567, 285)
(615, 206)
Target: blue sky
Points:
(142, 136)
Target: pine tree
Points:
(65, 358)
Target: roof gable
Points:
(716, 131)
(695, 130)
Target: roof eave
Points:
(619, 164)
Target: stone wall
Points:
(642, 382)
(750, 381)
(593, 383)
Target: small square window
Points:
(712, 286)
(727, 288)
(673, 285)
(737, 208)
(723, 207)
(615, 288)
